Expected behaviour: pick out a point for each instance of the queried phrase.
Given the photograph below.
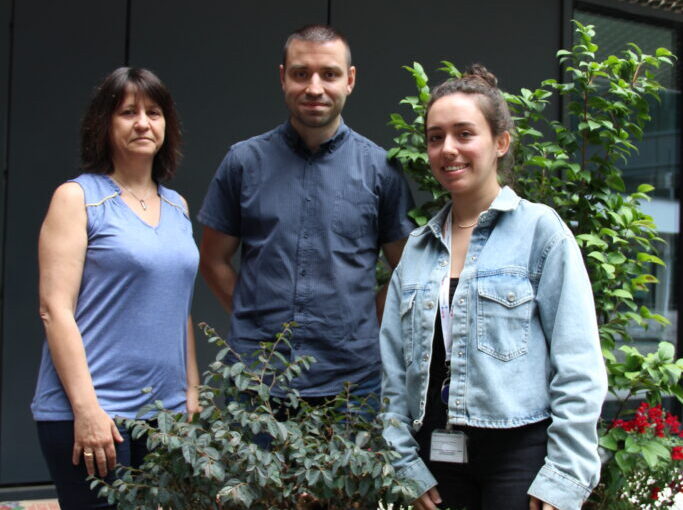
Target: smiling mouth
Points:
(455, 168)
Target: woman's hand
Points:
(428, 500)
(537, 504)
(192, 404)
(94, 436)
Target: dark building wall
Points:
(220, 60)
(58, 52)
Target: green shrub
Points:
(248, 449)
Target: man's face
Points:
(316, 81)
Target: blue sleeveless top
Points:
(133, 306)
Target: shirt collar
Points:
(507, 200)
(295, 141)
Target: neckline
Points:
(118, 191)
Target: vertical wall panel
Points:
(60, 50)
(220, 60)
(516, 40)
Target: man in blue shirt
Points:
(311, 202)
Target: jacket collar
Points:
(507, 200)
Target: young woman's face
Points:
(462, 151)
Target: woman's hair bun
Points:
(479, 71)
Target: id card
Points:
(448, 446)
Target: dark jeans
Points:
(73, 490)
(502, 464)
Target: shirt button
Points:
(305, 235)
(474, 258)
(308, 199)
(457, 402)
(303, 273)
(511, 297)
(461, 301)
(429, 305)
(443, 263)
(425, 357)
(460, 353)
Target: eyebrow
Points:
(457, 125)
(324, 68)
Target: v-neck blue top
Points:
(133, 305)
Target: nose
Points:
(314, 87)
(450, 146)
(142, 121)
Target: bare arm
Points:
(192, 377)
(215, 264)
(192, 393)
(392, 252)
(61, 255)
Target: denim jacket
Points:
(525, 342)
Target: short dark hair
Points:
(317, 34)
(483, 84)
(96, 155)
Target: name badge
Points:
(448, 446)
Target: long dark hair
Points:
(96, 154)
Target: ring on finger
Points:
(87, 453)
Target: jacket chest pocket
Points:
(505, 304)
(407, 312)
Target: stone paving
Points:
(38, 504)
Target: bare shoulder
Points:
(67, 207)
(69, 194)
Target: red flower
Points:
(677, 453)
(654, 494)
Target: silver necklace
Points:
(467, 226)
(143, 204)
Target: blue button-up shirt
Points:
(311, 225)
(525, 342)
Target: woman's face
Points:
(462, 151)
(138, 127)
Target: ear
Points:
(502, 143)
(351, 82)
(282, 76)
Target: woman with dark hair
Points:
(117, 267)
(492, 363)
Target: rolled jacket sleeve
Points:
(395, 413)
(578, 381)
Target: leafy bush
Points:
(574, 166)
(249, 449)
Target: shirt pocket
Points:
(355, 214)
(505, 304)
(407, 312)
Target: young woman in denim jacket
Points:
(489, 340)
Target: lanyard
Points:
(445, 307)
